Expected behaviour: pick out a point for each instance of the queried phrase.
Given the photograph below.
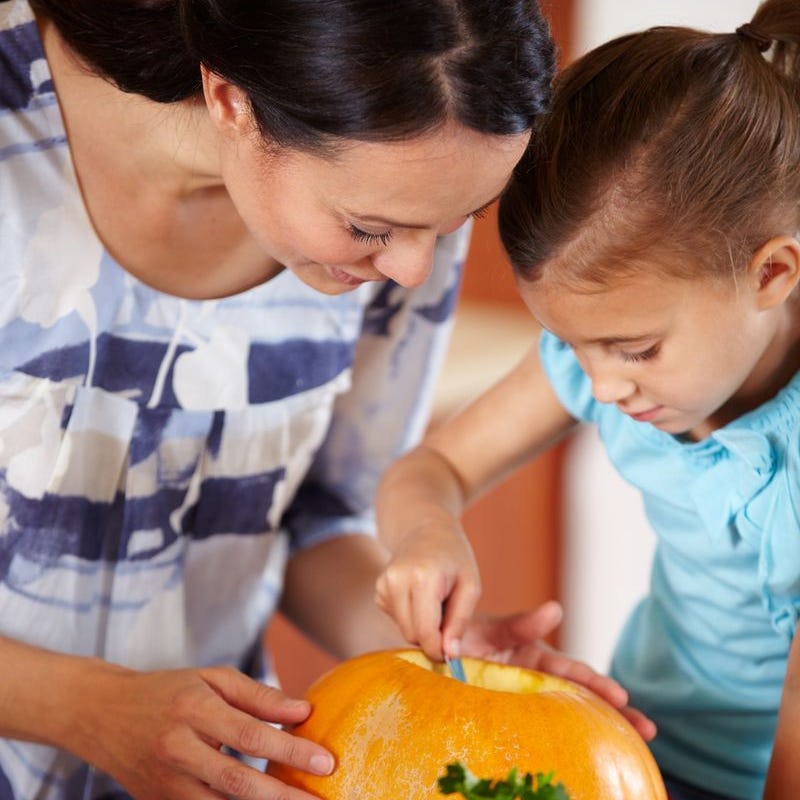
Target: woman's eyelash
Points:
(369, 238)
(645, 355)
(384, 238)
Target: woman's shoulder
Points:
(36, 183)
(24, 78)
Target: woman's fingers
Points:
(218, 775)
(238, 720)
(258, 699)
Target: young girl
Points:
(652, 228)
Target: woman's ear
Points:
(227, 104)
(774, 271)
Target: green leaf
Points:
(459, 780)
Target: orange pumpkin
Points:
(394, 720)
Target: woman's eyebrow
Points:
(378, 220)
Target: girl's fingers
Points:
(399, 609)
(459, 608)
(644, 726)
(427, 614)
(534, 625)
(557, 663)
(606, 687)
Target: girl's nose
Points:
(611, 388)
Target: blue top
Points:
(705, 653)
(161, 457)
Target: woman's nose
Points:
(407, 263)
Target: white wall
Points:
(608, 542)
(598, 21)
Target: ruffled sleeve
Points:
(779, 562)
(760, 506)
(569, 381)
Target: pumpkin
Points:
(394, 720)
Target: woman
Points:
(230, 236)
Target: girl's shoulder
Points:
(570, 383)
(778, 420)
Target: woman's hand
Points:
(161, 734)
(430, 587)
(519, 639)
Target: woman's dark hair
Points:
(316, 70)
(671, 148)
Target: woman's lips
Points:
(345, 277)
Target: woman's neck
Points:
(149, 175)
(171, 147)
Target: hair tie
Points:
(762, 41)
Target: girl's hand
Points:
(430, 588)
(160, 734)
(518, 639)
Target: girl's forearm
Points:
(329, 594)
(418, 491)
(783, 778)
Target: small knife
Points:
(456, 668)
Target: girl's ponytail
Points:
(778, 22)
(670, 149)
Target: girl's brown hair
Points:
(670, 146)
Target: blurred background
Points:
(565, 527)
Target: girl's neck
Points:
(778, 365)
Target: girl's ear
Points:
(774, 271)
(227, 104)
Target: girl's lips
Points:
(645, 416)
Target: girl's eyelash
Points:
(369, 238)
(645, 355)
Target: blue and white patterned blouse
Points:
(705, 653)
(160, 457)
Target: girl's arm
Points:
(329, 595)
(783, 778)
(431, 586)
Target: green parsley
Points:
(459, 779)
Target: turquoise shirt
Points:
(705, 653)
